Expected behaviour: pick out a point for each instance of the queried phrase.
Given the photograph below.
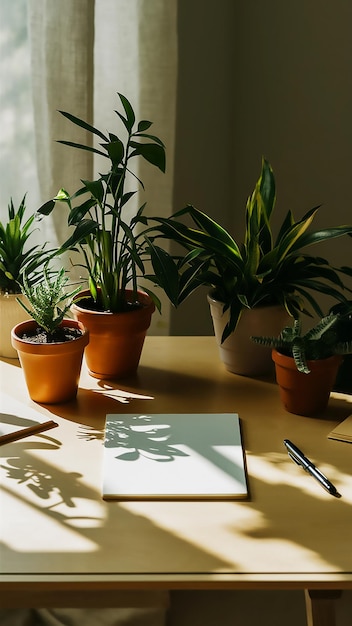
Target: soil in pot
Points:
(39, 335)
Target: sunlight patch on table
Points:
(289, 474)
(227, 530)
(33, 526)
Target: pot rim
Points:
(28, 346)
(86, 294)
(288, 361)
(212, 300)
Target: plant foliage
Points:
(49, 301)
(262, 270)
(113, 251)
(320, 342)
(16, 258)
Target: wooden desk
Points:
(61, 545)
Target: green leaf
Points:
(153, 296)
(143, 125)
(151, 152)
(152, 137)
(293, 237)
(324, 235)
(115, 150)
(83, 124)
(213, 229)
(82, 231)
(95, 188)
(47, 207)
(78, 213)
(267, 188)
(82, 147)
(128, 110)
(166, 273)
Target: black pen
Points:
(298, 457)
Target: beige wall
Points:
(269, 78)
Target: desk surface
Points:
(54, 525)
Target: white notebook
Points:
(166, 456)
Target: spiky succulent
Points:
(49, 301)
(320, 342)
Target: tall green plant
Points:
(113, 251)
(16, 257)
(264, 269)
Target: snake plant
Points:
(262, 270)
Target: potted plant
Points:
(306, 365)
(16, 257)
(50, 346)
(264, 278)
(113, 250)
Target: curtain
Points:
(82, 54)
(61, 42)
(17, 165)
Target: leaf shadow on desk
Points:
(16, 420)
(148, 387)
(41, 479)
(75, 505)
(22, 422)
(141, 437)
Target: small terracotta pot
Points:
(305, 394)
(51, 370)
(115, 339)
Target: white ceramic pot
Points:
(238, 352)
(11, 313)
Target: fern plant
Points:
(49, 301)
(320, 342)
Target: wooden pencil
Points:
(26, 432)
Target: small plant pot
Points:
(305, 394)
(51, 370)
(116, 339)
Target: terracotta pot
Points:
(305, 394)
(51, 370)
(11, 313)
(238, 352)
(115, 339)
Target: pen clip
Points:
(292, 456)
